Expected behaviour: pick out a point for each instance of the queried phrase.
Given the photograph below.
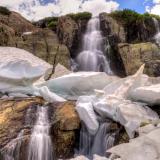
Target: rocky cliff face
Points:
(70, 33)
(134, 55)
(131, 46)
(18, 32)
(58, 45)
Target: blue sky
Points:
(37, 9)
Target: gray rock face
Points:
(134, 55)
(111, 28)
(16, 31)
(45, 44)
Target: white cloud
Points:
(155, 9)
(156, 1)
(99, 6)
(34, 9)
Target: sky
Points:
(38, 9)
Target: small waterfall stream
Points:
(98, 144)
(91, 58)
(157, 26)
(12, 150)
(40, 144)
(40, 147)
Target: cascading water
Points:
(92, 58)
(157, 26)
(12, 149)
(97, 144)
(40, 147)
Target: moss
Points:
(80, 16)
(4, 11)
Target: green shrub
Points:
(80, 16)
(52, 25)
(4, 11)
(129, 17)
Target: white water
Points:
(12, 150)
(92, 58)
(157, 36)
(98, 144)
(40, 147)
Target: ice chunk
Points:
(145, 147)
(50, 96)
(11, 54)
(127, 113)
(147, 94)
(73, 85)
(86, 113)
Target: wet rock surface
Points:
(19, 115)
(66, 125)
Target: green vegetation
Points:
(52, 25)
(129, 17)
(4, 11)
(50, 22)
(80, 16)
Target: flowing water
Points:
(97, 144)
(157, 26)
(40, 147)
(12, 149)
(92, 58)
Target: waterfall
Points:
(156, 23)
(92, 58)
(157, 26)
(40, 147)
(12, 149)
(97, 144)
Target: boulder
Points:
(134, 55)
(66, 123)
(67, 117)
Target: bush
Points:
(50, 22)
(52, 25)
(129, 17)
(80, 16)
(4, 11)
